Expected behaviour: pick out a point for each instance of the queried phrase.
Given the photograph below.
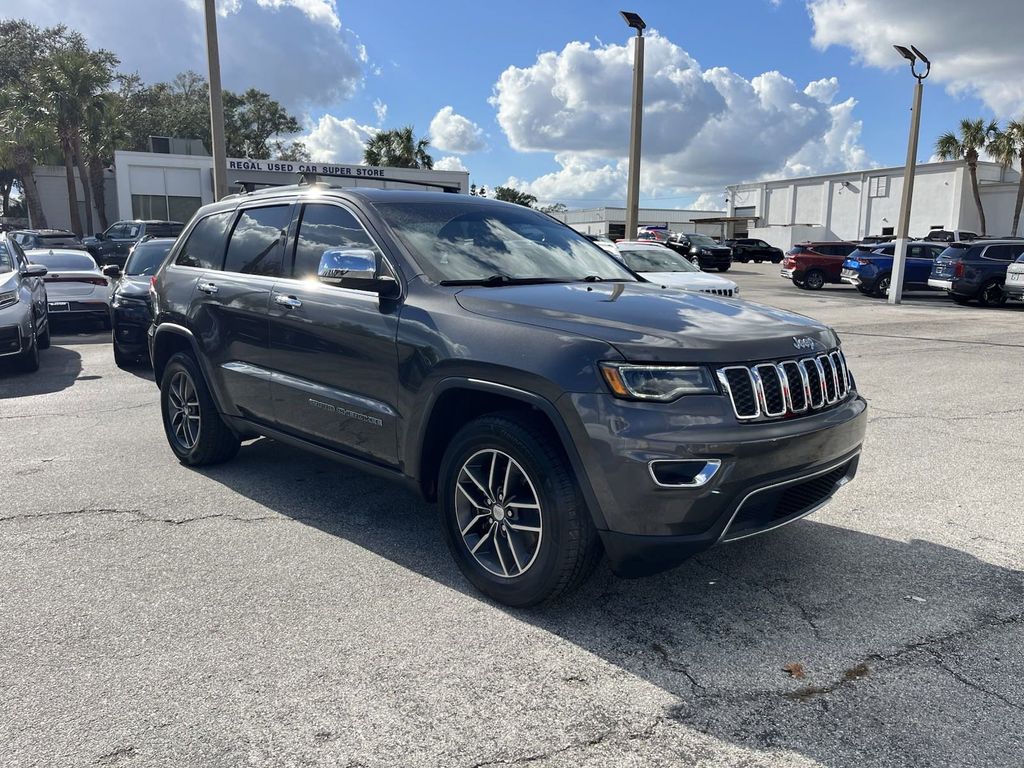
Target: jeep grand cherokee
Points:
(553, 403)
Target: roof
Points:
(64, 232)
(368, 194)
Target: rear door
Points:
(230, 308)
(334, 349)
(920, 260)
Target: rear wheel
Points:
(882, 286)
(512, 513)
(814, 280)
(992, 295)
(963, 301)
(195, 430)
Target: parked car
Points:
(1014, 285)
(75, 287)
(869, 269)
(603, 243)
(551, 403)
(112, 246)
(747, 249)
(24, 321)
(702, 250)
(47, 238)
(666, 267)
(131, 311)
(975, 271)
(811, 265)
(877, 239)
(950, 236)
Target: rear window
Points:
(165, 229)
(66, 261)
(146, 258)
(959, 252)
(204, 248)
(797, 249)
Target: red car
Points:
(811, 265)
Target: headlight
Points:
(8, 299)
(660, 383)
(128, 301)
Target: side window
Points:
(116, 231)
(1000, 253)
(204, 248)
(324, 227)
(918, 252)
(257, 242)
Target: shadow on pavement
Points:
(877, 626)
(58, 369)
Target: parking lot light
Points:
(633, 184)
(913, 55)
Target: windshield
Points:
(469, 241)
(146, 258)
(65, 261)
(702, 241)
(6, 260)
(656, 260)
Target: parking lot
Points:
(282, 610)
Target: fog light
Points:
(683, 473)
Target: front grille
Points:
(717, 291)
(787, 388)
(770, 507)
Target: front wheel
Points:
(725, 268)
(28, 360)
(195, 431)
(512, 513)
(814, 280)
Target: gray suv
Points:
(554, 404)
(24, 319)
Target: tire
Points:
(28, 359)
(545, 563)
(43, 339)
(963, 301)
(202, 438)
(121, 360)
(881, 287)
(758, 261)
(107, 324)
(865, 291)
(798, 283)
(725, 268)
(992, 295)
(776, 259)
(814, 280)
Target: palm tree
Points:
(23, 143)
(974, 136)
(1008, 148)
(398, 148)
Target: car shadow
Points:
(59, 367)
(866, 626)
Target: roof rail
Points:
(313, 178)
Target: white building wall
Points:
(51, 181)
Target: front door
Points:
(334, 349)
(231, 309)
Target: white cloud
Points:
(708, 201)
(450, 163)
(381, 110)
(333, 140)
(974, 47)
(296, 50)
(702, 129)
(452, 132)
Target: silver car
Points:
(1013, 286)
(24, 319)
(75, 285)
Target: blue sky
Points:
(728, 82)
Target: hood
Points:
(690, 281)
(646, 322)
(134, 285)
(9, 281)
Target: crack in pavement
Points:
(79, 414)
(959, 677)
(971, 342)
(140, 516)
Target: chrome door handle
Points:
(210, 288)
(287, 301)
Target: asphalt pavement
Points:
(282, 610)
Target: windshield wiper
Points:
(503, 280)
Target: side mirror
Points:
(112, 271)
(99, 236)
(34, 270)
(354, 268)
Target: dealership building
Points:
(161, 185)
(852, 205)
(611, 222)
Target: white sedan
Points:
(75, 285)
(664, 266)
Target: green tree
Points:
(398, 148)
(295, 151)
(513, 195)
(555, 208)
(1008, 148)
(974, 136)
(251, 120)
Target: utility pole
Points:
(899, 262)
(220, 184)
(636, 124)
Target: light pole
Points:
(633, 184)
(899, 262)
(220, 184)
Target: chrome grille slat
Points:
(774, 390)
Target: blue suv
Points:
(870, 268)
(976, 270)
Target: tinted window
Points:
(117, 230)
(66, 261)
(324, 227)
(1003, 252)
(205, 245)
(146, 258)
(656, 260)
(164, 229)
(6, 259)
(257, 246)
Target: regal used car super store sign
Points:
(284, 166)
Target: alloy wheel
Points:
(498, 513)
(183, 410)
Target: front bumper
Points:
(15, 329)
(61, 307)
(790, 273)
(649, 528)
(131, 323)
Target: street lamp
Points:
(902, 230)
(633, 183)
